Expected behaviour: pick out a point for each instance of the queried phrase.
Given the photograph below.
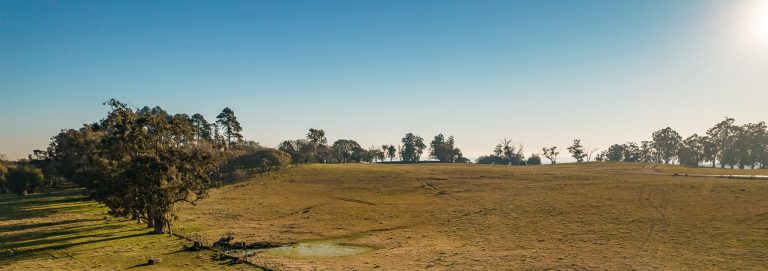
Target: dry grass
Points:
(482, 217)
(436, 216)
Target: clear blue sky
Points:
(538, 72)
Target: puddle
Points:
(316, 249)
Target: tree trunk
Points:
(160, 223)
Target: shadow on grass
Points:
(34, 253)
(49, 235)
(22, 227)
(46, 202)
(21, 243)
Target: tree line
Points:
(315, 149)
(725, 144)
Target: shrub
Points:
(534, 160)
(24, 179)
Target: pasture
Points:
(424, 216)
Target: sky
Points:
(539, 72)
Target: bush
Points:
(261, 160)
(24, 179)
(534, 160)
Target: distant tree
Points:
(614, 153)
(513, 155)
(261, 160)
(498, 150)
(391, 152)
(376, 154)
(413, 148)
(24, 179)
(347, 151)
(366, 156)
(647, 153)
(750, 144)
(600, 157)
(443, 150)
(632, 153)
(227, 121)
(534, 159)
(723, 137)
(318, 143)
(300, 150)
(504, 154)
(202, 127)
(577, 151)
(667, 142)
(691, 152)
(550, 153)
(709, 150)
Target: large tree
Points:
(138, 162)
(412, 149)
(667, 142)
(227, 121)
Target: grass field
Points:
(430, 216)
(62, 230)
